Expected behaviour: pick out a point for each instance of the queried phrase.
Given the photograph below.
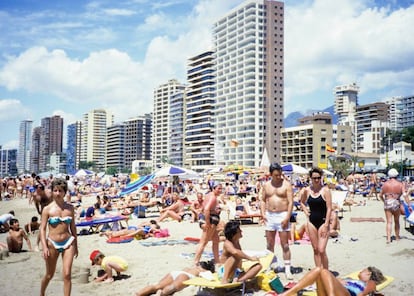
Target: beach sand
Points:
(360, 244)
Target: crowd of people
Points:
(275, 197)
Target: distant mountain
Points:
(292, 118)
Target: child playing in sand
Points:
(108, 263)
(16, 236)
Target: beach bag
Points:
(269, 281)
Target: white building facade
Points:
(249, 43)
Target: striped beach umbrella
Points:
(137, 184)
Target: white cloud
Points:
(12, 109)
(110, 78)
(334, 42)
(119, 12)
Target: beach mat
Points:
(365, 219)
(165, 242)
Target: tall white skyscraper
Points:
(94, 126)
(250, 81)
(161, 140)
(25, 146)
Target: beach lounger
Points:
(215, 283)
(407, 216)
(95, 224)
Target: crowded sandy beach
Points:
(361, 241)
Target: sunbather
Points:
(144, 230)
(174, 211)
(328, 284)
(173, 281)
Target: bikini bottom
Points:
(61, 246)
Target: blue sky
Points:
(68, 57)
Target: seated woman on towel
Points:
(328, 284)
(173, 282)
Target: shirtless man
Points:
(16, 236)
(209, 220)
(276, 209)
(232, 256)
(350, 183)
(197, 207)
(373, 186)
(40, 197)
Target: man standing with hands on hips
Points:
(276, 208)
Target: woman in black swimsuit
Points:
(316, 202)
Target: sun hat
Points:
(392, 173)
(93, 255)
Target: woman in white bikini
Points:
(58, 218)
(173, 282)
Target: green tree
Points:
(340, 166)
(87, 165)
(111, 171)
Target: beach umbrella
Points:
(327, 173)
(234, 168)
(84, 173)
(136, 185)
(294, 169)
(171, 170)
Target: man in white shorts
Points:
(276, 208)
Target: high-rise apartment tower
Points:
(250, 81)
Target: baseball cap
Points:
(392, 173)
(93, 255)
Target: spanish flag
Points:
(329, 148)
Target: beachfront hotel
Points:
(25, 146)
(250, 80)
(161, 126)
(93, 140)
(47, 139)
(199, 108)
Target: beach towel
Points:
(164, 242)
(365, 219)
(119, 240)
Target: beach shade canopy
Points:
(171, 170)
(328, 173)
(136, 185)
(234, 168)
(294, 169)
(84, 173)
